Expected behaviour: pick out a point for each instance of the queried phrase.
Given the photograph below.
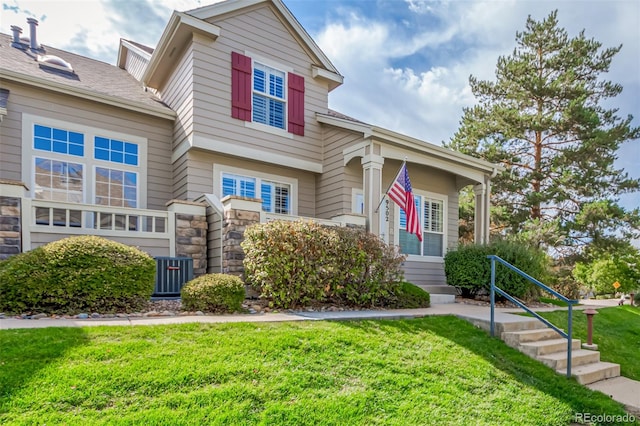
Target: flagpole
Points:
(391, 184)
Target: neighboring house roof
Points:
(90, 79)
(147, 49)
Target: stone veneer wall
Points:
(235, 222)
(10, 226)
(191, 233)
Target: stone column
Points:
(191, 233)
(372, 164)
(11, 241)
(239, 213)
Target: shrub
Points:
(77, 274)
(295, 263)
(409, 296)
(466, 269)
(213, 293)
(469, 270)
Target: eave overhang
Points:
(176, 35)
(159, 111)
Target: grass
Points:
(435, 370)
(552, 301)
(616, 331)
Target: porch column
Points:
(372, 164)
(482, 220)
(11, 226)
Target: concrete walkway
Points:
(621, 389)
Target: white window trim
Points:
(88, 161)
(220, 169)
(445, 222)
(280, 67)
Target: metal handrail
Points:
(569, 302)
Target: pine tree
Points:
(543, 119)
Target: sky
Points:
(406, 63)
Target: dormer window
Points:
(264, 94)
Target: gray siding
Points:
(178, 94)
(262, 33)
(214, 242)
(135, 64)
(83, 112)
(153, 246)
(196, 175)
(424, 273)
(334, 185)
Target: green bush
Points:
(295, 263)
(409, 296)
(213, 293)
(77, 274)
(469, 270)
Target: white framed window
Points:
(269, 99)
(278, 193)
(69, 162)
(431, 209)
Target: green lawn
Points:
(616, 331)
(436, 370)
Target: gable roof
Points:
(90, 79)
(182, 25)
(227, 6)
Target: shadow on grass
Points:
(519, 366)
(24, 352)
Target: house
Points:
(224, 123)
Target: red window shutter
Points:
(240, 86)
(295, 102)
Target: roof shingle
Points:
(90, 74)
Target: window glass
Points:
(432, 213)
(58, 141)
(238, 185)
(268, 96)
(116, 188)
(276, 197)
(58, 180)
(115, 151)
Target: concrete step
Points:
(591, 373)
(515, 338)
(558, 360)
(438, 289)
(544, 347)
(441, 299)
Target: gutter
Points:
(161, 112)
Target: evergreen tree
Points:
(543, 119)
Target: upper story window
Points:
(56, 140)
(73, 163)
(265, 94)
(432, 213)
(268, 96)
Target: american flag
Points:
(401, 194)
